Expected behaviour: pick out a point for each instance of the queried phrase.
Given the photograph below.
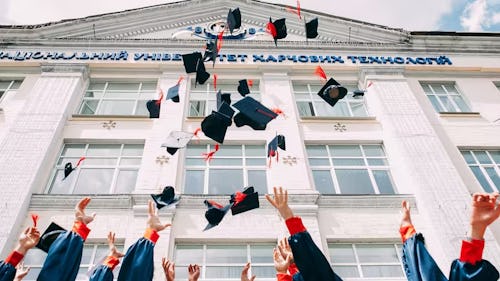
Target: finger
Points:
(167, 225)
(286, 197)
(151, 208)
(253, 278)
(27, 230)
(276, 255)
(190, 268)
(271, 200)
(163, 262)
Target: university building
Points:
(426, 130)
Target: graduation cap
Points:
(153, 108)
(211, 51)
(223, 97)
(215, 213)
(49, 236)
(277, 29)
(243, 87)
(332, 92)
(176, 140)
(234, 19)
(165, 198)
(312, 29)
(253, 114)
(244, 201)
(272, 147)
(68, 167)
(201, 74)
(215, 125)
(173, 93)
(358, 93)
(191, 61)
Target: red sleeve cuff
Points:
(407, 232)
(472, 251)
(294, 225)
(293, 269)
(81, 229)
(111, 262)
(152, 235)
(284, 277)
(14, 258)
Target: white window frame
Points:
(13, 85)
(204, 264)
(431, 94)
(142, 96)
(314, 100)
(205, 96)
(209, 165)
(491, 187)
(369, 168)
(73, 177)
(358, 264)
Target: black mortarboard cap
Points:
(312, 28)
(332, 87)
(358, 93)
(215, 125)
(173, 93)
(201, 74)
(215, 213)
(49, 236)
(153, 108)
(253, 114)
(167, 197)
(68, 168)
(223, 97)
(243, 87)
(191, 61)
(244, 201)
(280, 28)
(234, 19)
(176, 140)
(278, 141)
(211, 52)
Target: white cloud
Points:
(495, 19)
(474, 16)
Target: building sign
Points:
(229, 58)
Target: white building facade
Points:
(427, 130)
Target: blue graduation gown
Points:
(63, 259)
(138, 262)
(7, 271)
(418, 263)
(481, 271)
(102, 273)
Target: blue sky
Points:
(422, 15)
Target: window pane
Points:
(116, 107)
(125, 183)
(348, 162)
(148, 86)
(264, 271)
(226, 254)
(359, 109)
(189, 254)
(75, 150)
(225, 161)
(87, 253)
(132, 149)
(141, 109)
(493, 176)
(305, 109)
(230, 150)
(341, 253)
(89, 107)
(254, 150)
(354, 181)
(382, 271)
(261, 254)
(448, 106)
(123, 87)
(384, 182)
(255, 161)
(94, 181)
(435, 103)
(181, 272)
(377, 162)
(196, 162)
(196, 108)
(60, 186)
(319, 162)
(316, 150)
(373, 150)
(100, 161)
(196, 150)
(224, 181)
(223, 272)
(194, 182)
(379, 253)
(495, 154)
(258, 180)
(346, 271)
(96, 86)
(130, 161)
(323, 182)
(459, 101)
(468, 157)
(345, 150)
(482, 180)
(482, 157)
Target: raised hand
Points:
(281, 264)
(112, 248)
(153, 219)
(406, 215)
(244, 273)
(168, 268)
(485, 210)
(21, 271)
(193, 272)
(285, 249)
(80, 211)
(27, 240)
(280, 202)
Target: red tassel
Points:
(215, 204)
(296, 10)
(250, 83)
(215, 81)
(320, 72)
(278, 111)
(180, 79)
(239, 197)
(265, 113)
(270, 28)
(269, 165)
(196, 132)
(219, 41)
(369, 84)
(34, 217)
(80, 161)
(158, 102)
(277, 156)
(208, 156)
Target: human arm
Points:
(21, 271)
(244, 273)
(193, 272)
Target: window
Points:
(9, 85)
(225, 262)
(350, 169)
(107, 168)
(445, 97)
(233, 166)
(485, 164)
(366, 260)
(118, 98)
(202, 99)
(310, 104)
(92, 254)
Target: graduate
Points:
(104, 272)
(286, 270)
(27, 240)
(310, 261)
(65, 253)
(420, 265)
(169, 269)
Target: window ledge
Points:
(335, 118)
(459, 114)
(82, 117)
(195, 118)
(366, 201)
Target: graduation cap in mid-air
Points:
(153, 106)
(68, 167)
(277, 29)
(358, 93)
(234, 19)
(177, 140)
(211, 51)
(243, 87)
(165, 198)
(190, 61)
(253, 114)
(173, 92)
(215, 125)
(201, 74)
(223, 97)
(312, 28)
(273, 145)
(215, 213)
(244, 201)
(332, 92)
(49, 236)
